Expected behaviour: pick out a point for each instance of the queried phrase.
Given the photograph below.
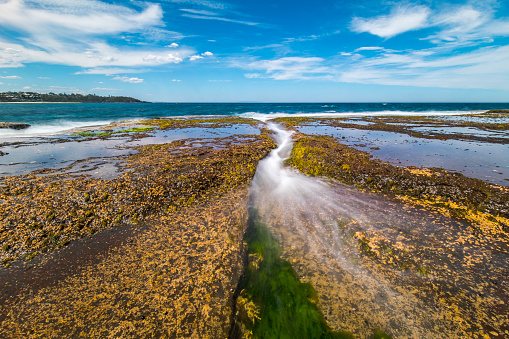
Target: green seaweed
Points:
(274, 302)
(172, 123)
(108, 133)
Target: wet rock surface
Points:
(156, 251)
(159, 250)
(176, 278)
(13, 125)
(417, 252)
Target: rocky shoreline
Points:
(160, 249)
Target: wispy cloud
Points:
(199, 12)
(455, 23)
(402, 19)
(370, 48)
(111, 70)
(312, 37)
(76, 33)
(465, 52)
(10, 77)
(204, 3)
(287, 68)
(208, 15)
(132, 80)
(486, 68)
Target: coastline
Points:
(48, 102)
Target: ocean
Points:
(48, 119)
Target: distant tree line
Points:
(62, 97)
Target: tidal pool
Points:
(23, 156)
(485, 161)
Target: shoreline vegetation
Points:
(34, 97)
(191, 268)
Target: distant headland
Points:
(63, 97)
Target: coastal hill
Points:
(62, 97)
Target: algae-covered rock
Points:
(14, 125)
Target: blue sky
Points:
(258, 51)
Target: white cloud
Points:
(75, 32)
(459, 25)
(27, 88)
(110, 70)
(208, 15)
(10, 77)
(173, 45)
(205, 3)
(176, 80)
(486, 68)
(198, 57)
(200, 12)
(466, 25)
(68, 18)
(163, 59)
(288, 68)
(128, 79)
(373, 48)
(402, 19)
(44, 78)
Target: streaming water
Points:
(319, 225)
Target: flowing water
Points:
(322, 227)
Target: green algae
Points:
(172, 123)
(108, 133)
(274, 303)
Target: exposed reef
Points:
(39, 213)
(427, 127)
(14, 125)
(166, 247)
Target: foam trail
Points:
(304, 212)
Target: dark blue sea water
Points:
(53, 118)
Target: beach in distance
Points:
(254, 220)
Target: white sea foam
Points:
(304, 211)
(334, 114)
(49, 129)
